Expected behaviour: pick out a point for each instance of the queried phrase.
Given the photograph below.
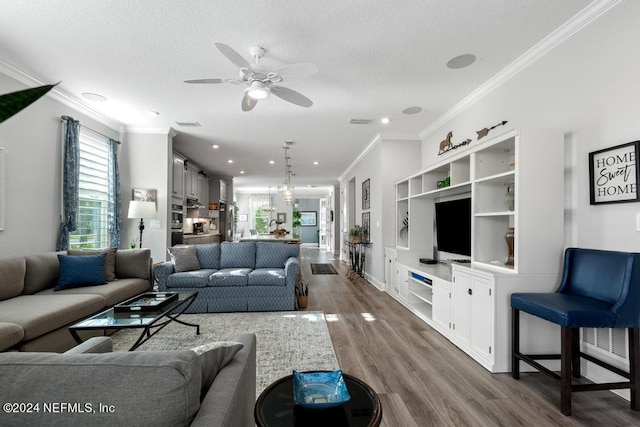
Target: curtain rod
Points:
(88, 128)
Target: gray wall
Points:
(310, 234)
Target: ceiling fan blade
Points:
(233, 56)
(198, 81)
(291, 95)
(248, 103)
(296, 71)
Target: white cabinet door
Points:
(473, 313)
(481, 338)
(442, 304)
(402, 282)
(223, 191)
(461, 295)
(390, 270)
(191, 181)
(203, 190)
(178, 177)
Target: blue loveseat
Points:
(233, 276)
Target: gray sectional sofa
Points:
(213, 385)
(233, 276)
(35, 317)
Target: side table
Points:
(275, 407)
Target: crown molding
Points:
(154, 131)
(59, 95)
(376, 139)
(581, 20)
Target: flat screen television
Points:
(453, 226)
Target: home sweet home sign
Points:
(613, 174)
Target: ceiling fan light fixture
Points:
(257, 91)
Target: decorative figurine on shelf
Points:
(483, 132)
(446, 145)
(510, 197)
(510, 238)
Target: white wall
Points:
(386, 162)
(146, 163)
(587, 87)
(33, 143)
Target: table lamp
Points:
(140, 209)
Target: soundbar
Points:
(428, 261)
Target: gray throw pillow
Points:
(109, 262)
(184, 258)
(214, 356)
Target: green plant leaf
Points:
(14, 102)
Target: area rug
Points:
(323, 269)
(285, 340)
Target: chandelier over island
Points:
(286, 190)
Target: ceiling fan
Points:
(261, 84)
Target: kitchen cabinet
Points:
(203, 190)
(191, 181)
(178, 177)
(223, 191)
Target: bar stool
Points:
(599, 289)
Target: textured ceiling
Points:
(375, 58)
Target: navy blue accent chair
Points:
(599, 289)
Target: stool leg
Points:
(515, 343)
(575, 350)
(566, 357)
(634, 369)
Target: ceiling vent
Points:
(360, 121)
(189, 124)
(289, 143)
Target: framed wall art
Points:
(308, 218)
(366, 225)
(144, 195)
(281, 217)
(613, 174)
(366, 199)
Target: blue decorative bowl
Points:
(319, 390)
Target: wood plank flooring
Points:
(424, 380)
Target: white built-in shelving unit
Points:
(470, 303)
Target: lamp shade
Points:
(140, 209)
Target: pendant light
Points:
(286, 190)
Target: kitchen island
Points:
(201, 238)
(270, 238)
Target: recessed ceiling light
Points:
(215, 146)
(461, 61)
(271, 162)
(241, 172)
(385, 120)
(230, 161)
(315, 163)
(412, 110)
(95, 97)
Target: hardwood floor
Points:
(424, 380)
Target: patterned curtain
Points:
(114, 215)
(70, 182)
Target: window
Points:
(261, 213)
(93, 195)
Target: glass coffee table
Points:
(275, 407)
(151, 322)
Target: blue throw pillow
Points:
(78, 271)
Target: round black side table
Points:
(275, 407)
